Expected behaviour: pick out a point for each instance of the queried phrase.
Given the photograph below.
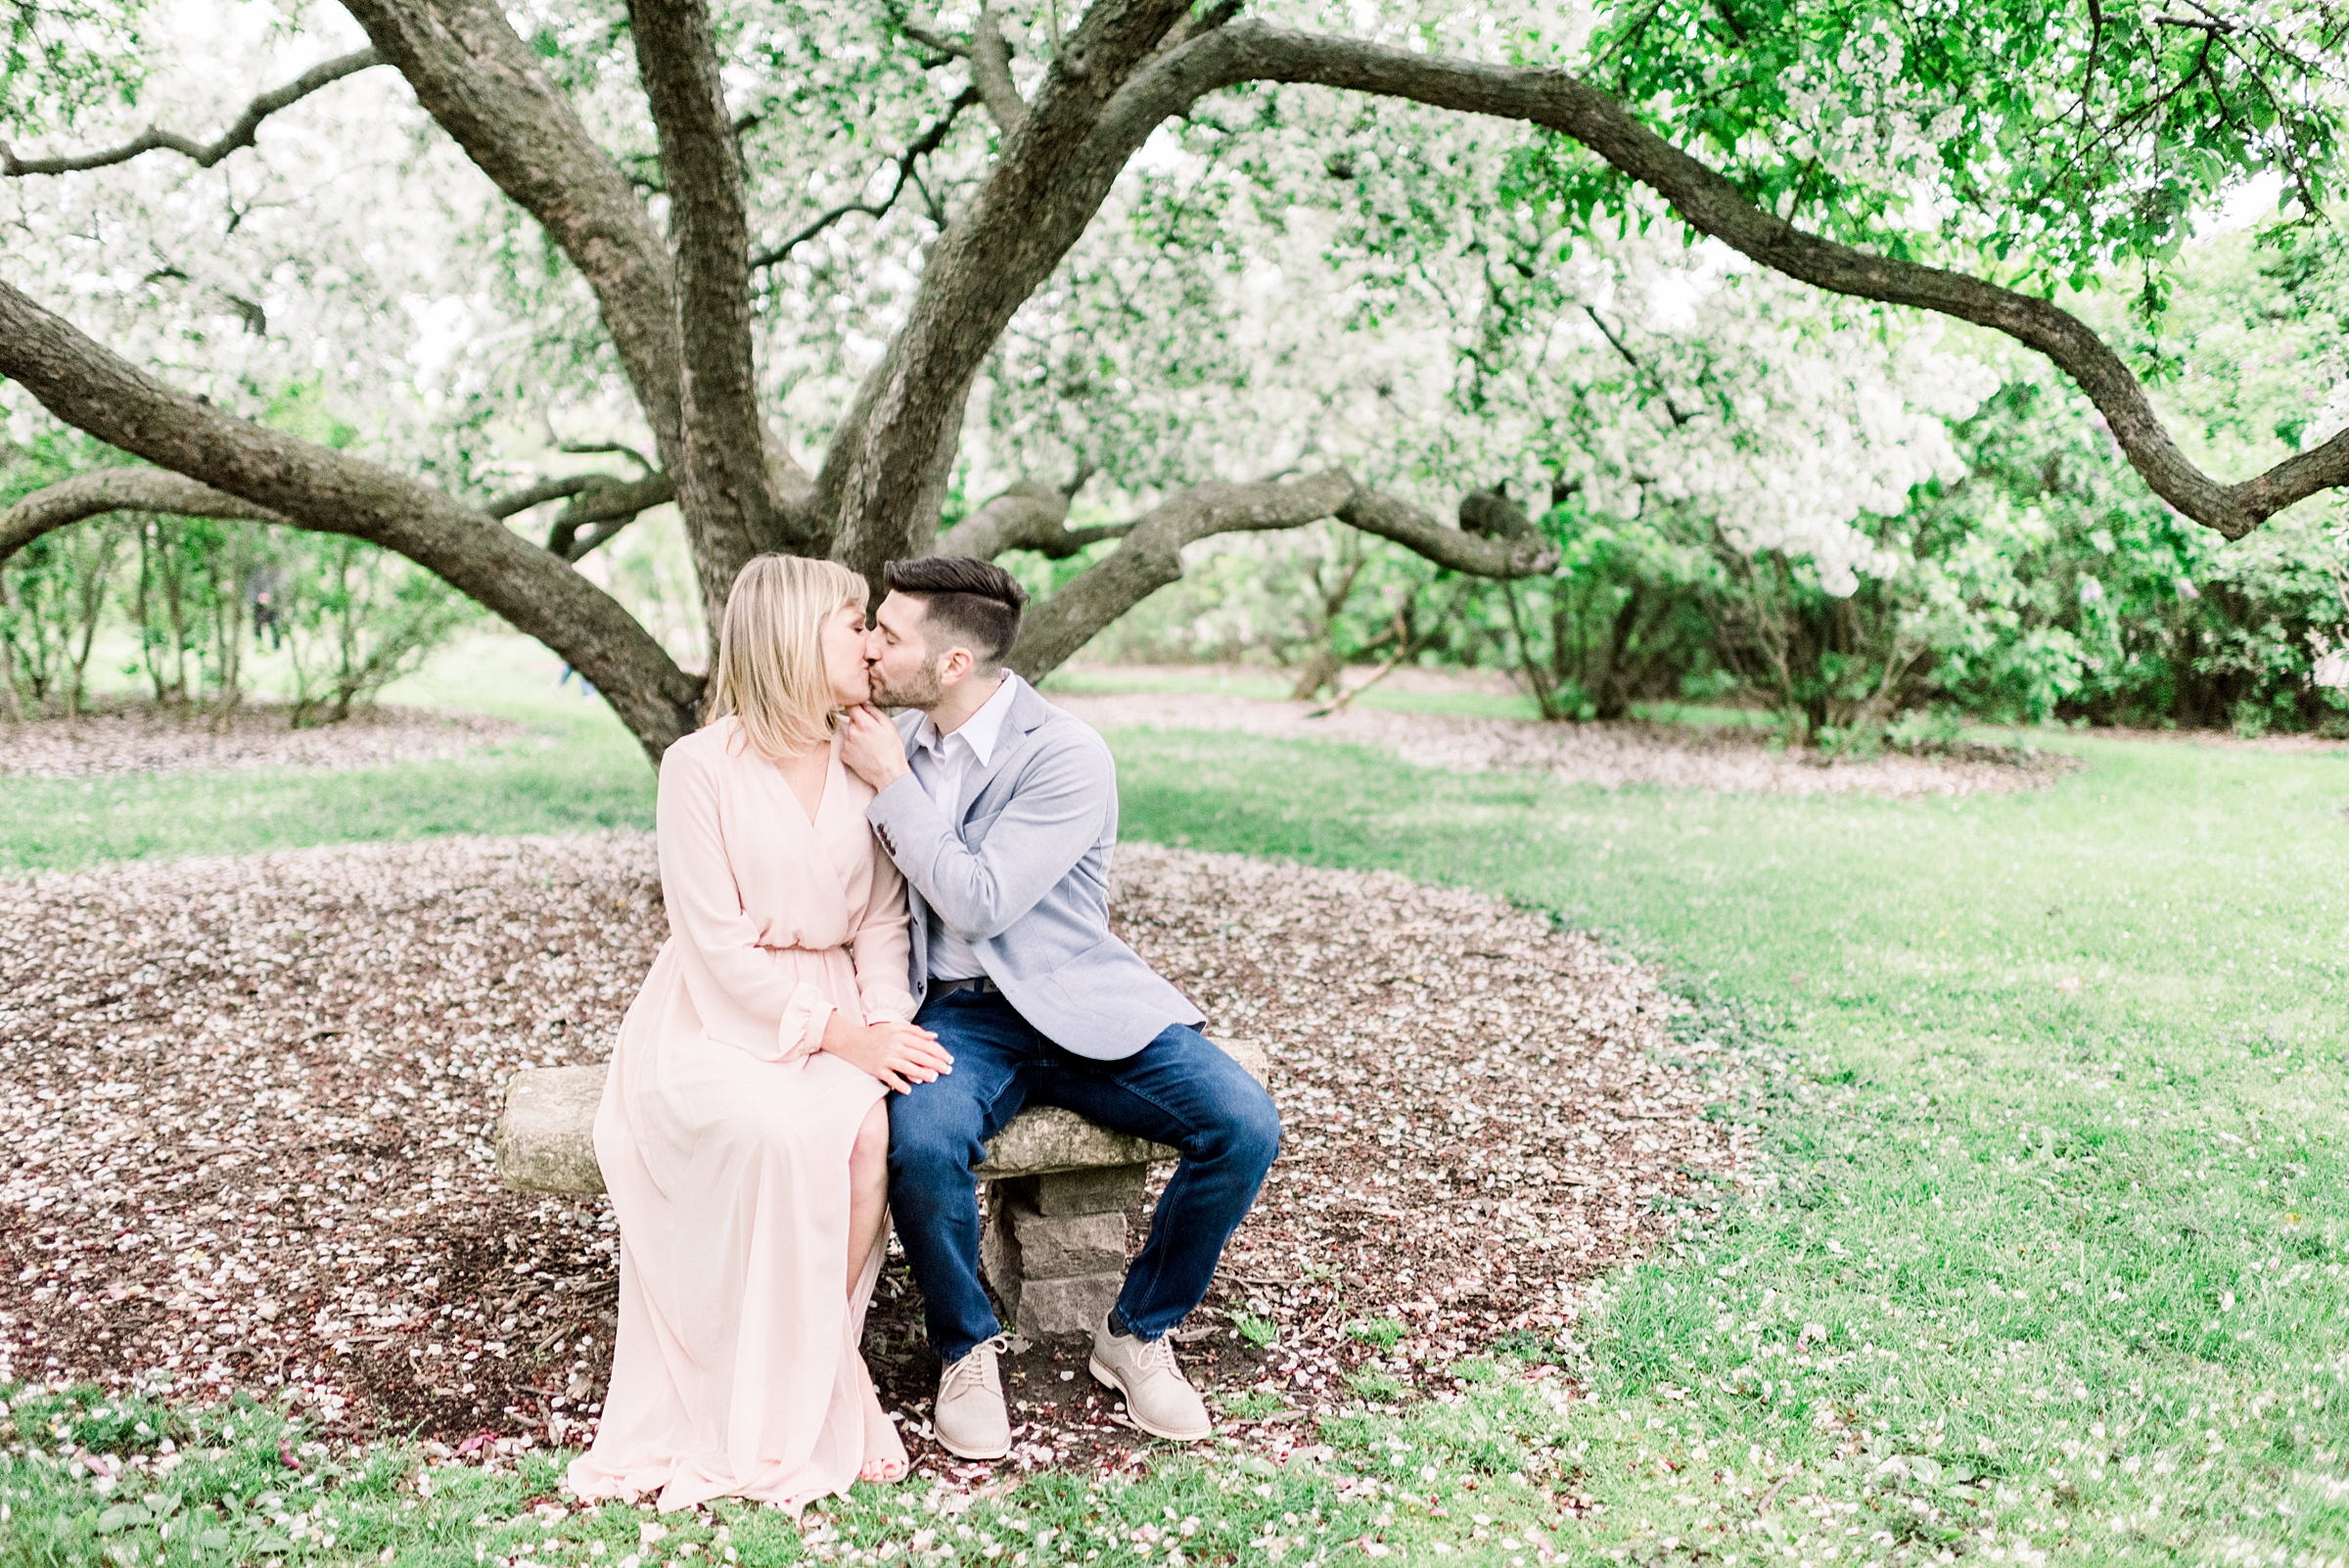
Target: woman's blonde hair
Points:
(770, 652)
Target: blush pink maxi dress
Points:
(724, 1137)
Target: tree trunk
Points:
(10, 702)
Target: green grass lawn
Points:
(2046, 1255)
(65, 823)
(1272, 685)
(2052, 1236)
(571, 769)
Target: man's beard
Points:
(922, 689)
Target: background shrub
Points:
(197, 599)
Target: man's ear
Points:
(956, 664)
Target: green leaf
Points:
(121, 1517)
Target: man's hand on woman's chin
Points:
(871, 749)
(898, 1054)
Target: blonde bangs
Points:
(770, 654)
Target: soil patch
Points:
(1728, 757)
(150, 739)
(247, 1107)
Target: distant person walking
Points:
(260, 595)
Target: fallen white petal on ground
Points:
(1723, 757)
(148, 739)
(247, 1107)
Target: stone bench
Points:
(1058, 1189)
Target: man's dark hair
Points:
(974, 603)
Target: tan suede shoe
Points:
(1158, 1397)
(971, 1420)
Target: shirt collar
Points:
(982, 731)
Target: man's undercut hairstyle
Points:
(972, 603)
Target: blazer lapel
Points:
(1029, 710)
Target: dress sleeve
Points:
(883, 946)
(705, 913)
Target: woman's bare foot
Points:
(881, 1470)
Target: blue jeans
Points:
(1178, 1090)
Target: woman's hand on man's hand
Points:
(901, 1055)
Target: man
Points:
(1003, 820)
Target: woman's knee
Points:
(868, 1156)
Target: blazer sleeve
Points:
(705, 913)
(881, 947)
(1054, 816)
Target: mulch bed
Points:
(247, 1107)
(1723, 756)
(144, 738)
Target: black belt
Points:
(977, 983)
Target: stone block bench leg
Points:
(1054, 1246)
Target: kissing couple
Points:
(884, 939)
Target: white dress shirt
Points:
(944, 766)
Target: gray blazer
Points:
(1023, 878)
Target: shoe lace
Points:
(1158, 1355)
(979, 1366)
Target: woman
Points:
(743, 1133)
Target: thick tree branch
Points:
(723, 486)
(885, 471)
(204, 153)
(316, 487)
(1049, 182)
(479, 80)
(1029, 516)
(1508, 555)
(991, 73)
(603, 506)
(117, 490)
(1710, 204)
(1152, 555)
